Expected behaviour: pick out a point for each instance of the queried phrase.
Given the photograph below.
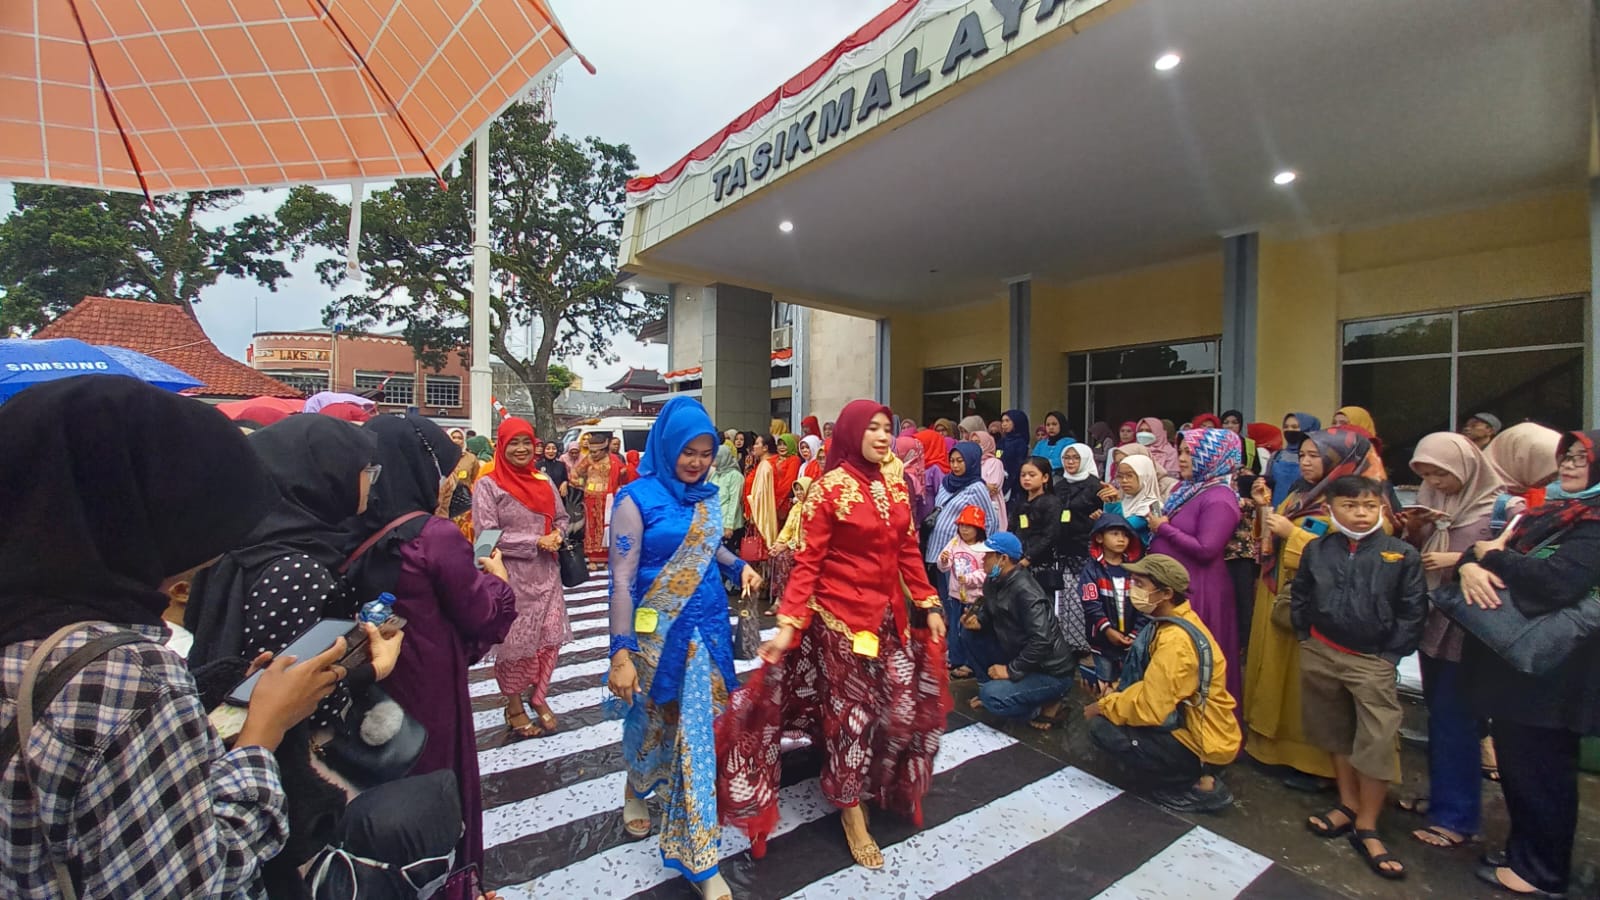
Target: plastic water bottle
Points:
(377, 611)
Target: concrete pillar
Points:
(1018, 349)
(1240, 255)
(884, 374)
(736, 357)
(1591, 314)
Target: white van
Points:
(631, 429)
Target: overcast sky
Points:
(670, 73)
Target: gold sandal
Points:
(521, 732)
(866, 852)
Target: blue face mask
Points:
(995, 572)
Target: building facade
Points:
(323, 360)
(1121, 208)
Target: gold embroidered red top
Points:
(860, 544)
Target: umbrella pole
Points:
(482, 375)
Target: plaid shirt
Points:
(132, 785)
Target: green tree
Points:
(556, 214)
(560, 377)
(61, 244)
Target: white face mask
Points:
(1143, 599)
(1145, 438)
(1357, 535)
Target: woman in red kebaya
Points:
(849, 665)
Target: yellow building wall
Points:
(1520, 249)
(969, 334)
(1173, 301)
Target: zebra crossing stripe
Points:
(562, 743)
(1200, 865)
(923, 864)
(589, 669)
(572, 701)
(634, 867)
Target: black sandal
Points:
(1322, 826)
(1375, 861)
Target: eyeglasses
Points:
(1580, 460)
(372, 472)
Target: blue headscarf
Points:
(681, 421)
(972, 455)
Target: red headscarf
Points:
(934, 451)
(633, 464)
(848, 433)
(1266, 435)
(1206, 420)
(809, 425)
(531, 488)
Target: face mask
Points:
(1145, 438)
(1142, 599)
(1357, 535)
(995, 572)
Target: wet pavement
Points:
(1012, 811)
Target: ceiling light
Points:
(1166, 62)
(1287, 176)
(786, 226)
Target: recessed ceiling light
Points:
(1287, 176)
(786, 226)
(1166, 62)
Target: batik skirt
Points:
(594, 526)
(878, 720)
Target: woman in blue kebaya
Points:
(671, 654)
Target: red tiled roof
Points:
(165, 332)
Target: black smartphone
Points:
(317, 639)
(1247, 481)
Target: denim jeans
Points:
(1020, 698)
(952, 619)
(1455, 773)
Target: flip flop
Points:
(1443, 834)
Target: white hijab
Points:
(1148, 499)
(1086, 464)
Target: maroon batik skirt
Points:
(878, 720)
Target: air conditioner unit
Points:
(783, 338)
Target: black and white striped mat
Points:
(1002, 819)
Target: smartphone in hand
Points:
(483, 545)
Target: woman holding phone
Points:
(671, 650)
(525, 505)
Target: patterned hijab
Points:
(1344, 452)
(1215, 454)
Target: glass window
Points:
(1522, 325)
(1411, 397)
(1077, 368)
(442, 390)
(1407, 398)
(1541, 386)
(305, 381)
(1177, 399)
(398, 390)
(955, 392)
(939, 381)
(1156, 361)
(1404, 336)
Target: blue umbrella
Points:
(25, 363)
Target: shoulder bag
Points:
(35, 694)
(574, 571)
(1533, 645)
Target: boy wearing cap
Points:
(1170, 721)
(1023, 663)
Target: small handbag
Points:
(574, 571)
(378, 743)
(752, 549)
(1533, 645)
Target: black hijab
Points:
(112, 486)
(315, 462)
(416, 455)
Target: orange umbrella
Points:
(177, 95)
